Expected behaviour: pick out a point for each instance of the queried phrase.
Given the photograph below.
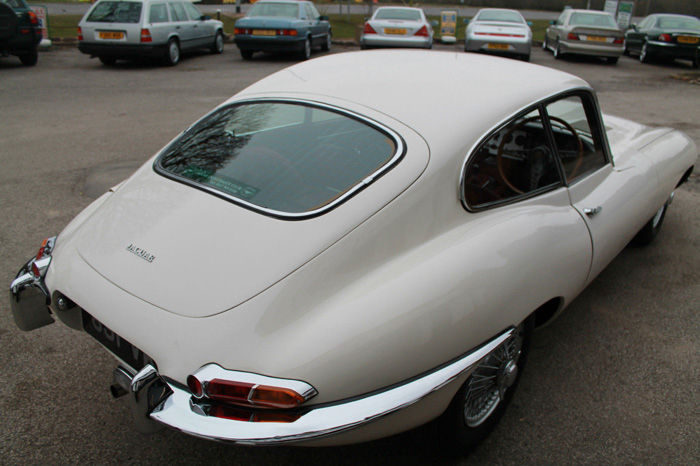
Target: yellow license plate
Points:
(264, 32)
(396, 31)
(497, 46)
(688, 39)
(111, 35)
(597, 38)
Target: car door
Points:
(317, 27)
(636, 35)
(522, 228)
(202, 33)
(611, 201)
(554, 31)
(184, 28)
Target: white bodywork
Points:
(393, 283)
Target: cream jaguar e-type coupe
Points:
(351, 248)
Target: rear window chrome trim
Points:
(399, 153)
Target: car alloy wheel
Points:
(644, 54)
(172, 53)
(306, 51)
(218, 45)
(557, 52)
(327, 45)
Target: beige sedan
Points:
(585, 32)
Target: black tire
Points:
(306, 51)
(481, 407)
(247, 54)
(545, 44)
(613, 60)
(218, 46)
(328, 43)
(172, 53)
(107, 61)
(556, 51)
(30, 58)
(525, 57)
(8, 21)
(644, 55)
(649, 231)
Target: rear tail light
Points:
(423, 32)
(33, 19)
(665, 38)
(287, 32)
(619, 40)
(241, 31)
(368, 29)
(80, 33)
(146, 36)
(45, 248)
(572, 36)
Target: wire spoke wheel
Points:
(487, 386)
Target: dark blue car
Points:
(282, 26)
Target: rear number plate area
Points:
(111, 35)
(688, 39)
(120, 347)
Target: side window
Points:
(177, 12)
(514, 161)
(312, 12)
(193, 11)
(577, 140)
(158, 13)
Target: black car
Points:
(665, 36)
(20, 31)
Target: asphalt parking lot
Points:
(613, 381)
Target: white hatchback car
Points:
(127, 29)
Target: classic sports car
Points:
(316, 262)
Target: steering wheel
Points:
(536, 157)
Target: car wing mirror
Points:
(529, 23)
(434, 23)
(323, 18)
(465, 21)
(204, 18)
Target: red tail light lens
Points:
(665, 38)
(287, 32)
(146, 36)
(368, 29)
(243, 393)
(241, 31)
(228, 391)
(572, 36)
(33, 19)
(80, 33)
(619, 40)
(422, 32)
(195, 386)
(42, 249)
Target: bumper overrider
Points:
(158, 401)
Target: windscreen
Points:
(279, 156)
(500, 15)
(397, 13)
(592, 20)
(116, 12)
(279, 10)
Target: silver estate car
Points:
(397, 27)
(499, 32)
(128, 29)
(585, 32)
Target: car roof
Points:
(593, 12)
(440, 95)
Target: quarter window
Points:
(194, 13)
(177, 11)
(158, 13)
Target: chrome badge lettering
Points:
(142, 253)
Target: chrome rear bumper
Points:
(160, 400)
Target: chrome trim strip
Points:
(177, 413)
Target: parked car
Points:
(397, 27)
(20, 32)
(665, 37)
(114, 30)
(585, 32)
(499, 32)
(315, 262)
(282, 26)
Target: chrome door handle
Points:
(590, 212)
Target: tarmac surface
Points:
(613, 381)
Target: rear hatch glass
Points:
(282, 158)
(116, 12)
